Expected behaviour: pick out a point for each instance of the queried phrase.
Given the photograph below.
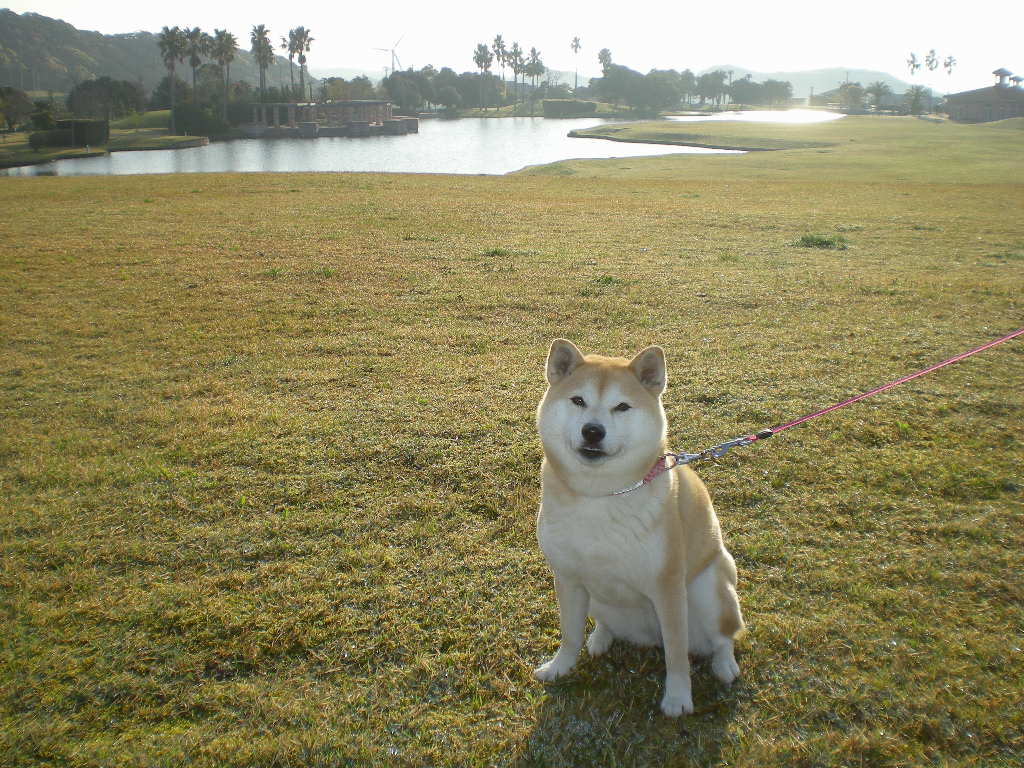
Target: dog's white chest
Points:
(613, 548)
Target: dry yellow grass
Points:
(269, 469)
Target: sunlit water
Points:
(466, 146)
(765, 116)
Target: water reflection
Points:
(765, 116)
(467, 146)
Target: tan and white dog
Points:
(649, 565)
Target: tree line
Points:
(177, 44)
(204, 104)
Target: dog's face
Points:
(602, 414)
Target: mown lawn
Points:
(269, 471)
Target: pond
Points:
(466, 146)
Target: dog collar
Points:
(663, 464)
(672, 460)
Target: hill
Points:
(817, 79)
(43, 54)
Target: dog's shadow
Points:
(606, 712)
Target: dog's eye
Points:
(577, 400)
(622, 407)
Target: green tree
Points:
(448, 97)
(915, 98)
(162, 96)
(575, 45)
(483, 58)
(106, 98)
(173, 46)
(263, 53)
(688, 85)
(778, 91)
(851, 96)
(197, 45)
(746, 91)
(604, 56)
(878, 90)
(15, 107)
(303, 39)
(711, 86)
(223, 50)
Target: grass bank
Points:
(15, 149)
(855, 148)
(269, 467)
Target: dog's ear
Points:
(649, 367)
(563, 357)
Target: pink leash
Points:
(670, 460)
(890, 385)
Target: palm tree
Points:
(302, 41)
(575, 45)
(535, 68)
(949, 63)
(483, 58)
(263, 52)
(878, 90)
(172, 48)
(288, 44)
(501, 55)
(197, 45)
(223, 51)
(515, 61)
(913, 64)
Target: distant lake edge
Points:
(464, 146)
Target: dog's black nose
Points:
(593, 433)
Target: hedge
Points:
(568, 108)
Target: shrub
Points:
(835, 243)
(195, 120)
(56, 138)
(85, 132)
(568, 108)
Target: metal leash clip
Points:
(715, 452)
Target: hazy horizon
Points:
(796, 36)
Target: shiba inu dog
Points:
(648, 565)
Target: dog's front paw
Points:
(678, 699)
(553, 669)
(674, 706)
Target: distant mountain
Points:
(819, 80)
(42, 54)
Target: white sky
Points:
(785, 35)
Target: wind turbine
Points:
(394, 56)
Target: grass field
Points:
(269, 471)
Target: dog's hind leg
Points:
(715, 617)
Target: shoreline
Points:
(726, 147)
(70, 153)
